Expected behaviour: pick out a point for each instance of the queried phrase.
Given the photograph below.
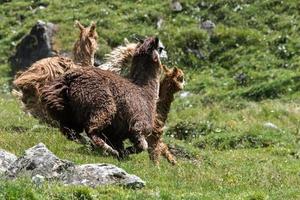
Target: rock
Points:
(176, 6)
(38, 160)
(241, 79)
(184, 94)
(102, 174)
(196, 52)
(38, 180)
(41, 164)
(208, 25)
(6, 159)
(270, 125)
(159, 23)
(36, 45)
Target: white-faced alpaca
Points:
(29, 83)
(93, 99)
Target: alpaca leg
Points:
(167, 154)
(97, 123)
(69, 133)
(154, 148)
(103, 145)
(138, 132)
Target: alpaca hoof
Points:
(114, 153)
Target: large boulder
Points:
(39, 163)
(102, 174)
(6, 159)
(38, 160)
(36, 45)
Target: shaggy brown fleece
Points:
(29, 82)
(95, 99)
(171, 83)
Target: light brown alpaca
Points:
(86, 46)
(172, 83)
(29, 82)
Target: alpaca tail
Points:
(120, 58)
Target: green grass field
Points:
(222, 122)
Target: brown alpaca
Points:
(30, 82)
(94, 100)
(172, 83)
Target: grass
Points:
(220, 122)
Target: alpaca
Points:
(119, 58)
(29, 83)
(94, 99)
(172, 83)
(86, 46)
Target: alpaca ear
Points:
(92, 29)
(175, 70)
(79, 25)
(166, 69)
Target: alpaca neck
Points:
(84, 60)
(166, 97)
(83, 54)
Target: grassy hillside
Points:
(237, 123)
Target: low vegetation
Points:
(238, 118)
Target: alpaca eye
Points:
(180, 78)
(160, 49)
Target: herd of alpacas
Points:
(109, 108)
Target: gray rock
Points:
(176, 6)
(270, 125)
(41, 164)
(38, 180)
(208, 25)
(159, 23)
(36, 45)
(196, 52)
(102, 174)
(6, 159)
(38, 160)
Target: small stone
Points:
(176, 6)
(208, 25)
(159, 23)
(270, 125)
(184, 94)
(38, 180)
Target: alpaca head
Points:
(174, 77)
(146, 58)
(85, 47)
